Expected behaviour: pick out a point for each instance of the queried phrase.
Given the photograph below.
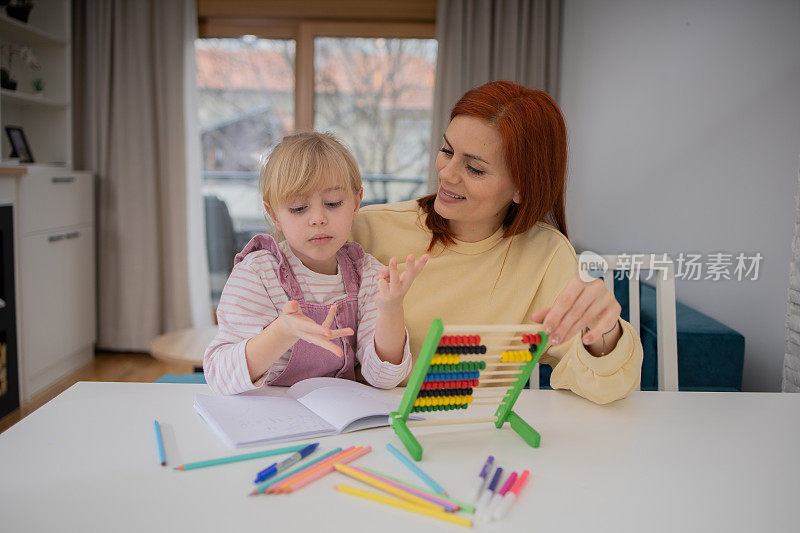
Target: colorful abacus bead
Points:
(515, 356)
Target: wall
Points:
(684, 124)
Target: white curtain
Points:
(791, 361)
(489, 40)
(134, 127)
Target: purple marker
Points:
(483, 502)
(498, 496)
(480, 481)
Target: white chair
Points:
(663, 270)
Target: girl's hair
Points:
(535, 142)
(303, 162)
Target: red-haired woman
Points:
(497, 235)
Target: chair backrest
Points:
(220, 236)
(663, 269)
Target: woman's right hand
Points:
(295, 324)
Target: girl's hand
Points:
(581, 305)
(296, 325)
(392, 287)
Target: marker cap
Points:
(495, 478)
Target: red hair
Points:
(535, 140)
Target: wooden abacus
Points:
(459, 366)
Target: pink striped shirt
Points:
(252, 299)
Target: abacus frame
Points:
(518, 378)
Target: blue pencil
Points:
(414, 468)
(160, 443)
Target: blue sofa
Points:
(710, 354)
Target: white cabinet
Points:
(53, 206)
(55, 240)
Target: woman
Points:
(497, 236)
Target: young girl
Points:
(313, 304)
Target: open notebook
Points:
(309, 408)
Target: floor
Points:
(106, 366)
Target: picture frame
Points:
(19, 144)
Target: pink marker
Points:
(498, 496)
(510, 496)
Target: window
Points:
(246, 103)
(367, 80)
(377, 96)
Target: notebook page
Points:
(349, 401)
(249, 419)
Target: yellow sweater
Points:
(462, 284)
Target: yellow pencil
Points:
(416, 500)
(388, 500)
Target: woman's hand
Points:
(582, 305)
(295, 324)
(392, 287)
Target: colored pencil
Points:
(395, 502)
(441, 502)
(311, 470)
(264, 486)
(328, 469)
(243, 457)
(466, 507)
(417, 470)
(385, 487)
(160, 443)
(436, 500)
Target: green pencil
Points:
(260, 489)
(466, 507)
(243, 457)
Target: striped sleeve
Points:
(245, 309)
(378, 373)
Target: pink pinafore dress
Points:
(309, 360)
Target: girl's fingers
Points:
(291, 307)
(422, 262)
(393, 271)
(329, 318)
(414, 268)
(306, 326)
(383, 287)
(324, 343)
(344, 332)
(410, 262)
(384, 273)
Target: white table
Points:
(656, 461)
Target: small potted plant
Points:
(38, 86)
(19, 9)
(8, 52)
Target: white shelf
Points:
(46, 118)
(22, 99)
(16, 31)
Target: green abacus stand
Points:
(504, 412)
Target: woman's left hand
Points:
(583, 304)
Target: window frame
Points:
(304, 32)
